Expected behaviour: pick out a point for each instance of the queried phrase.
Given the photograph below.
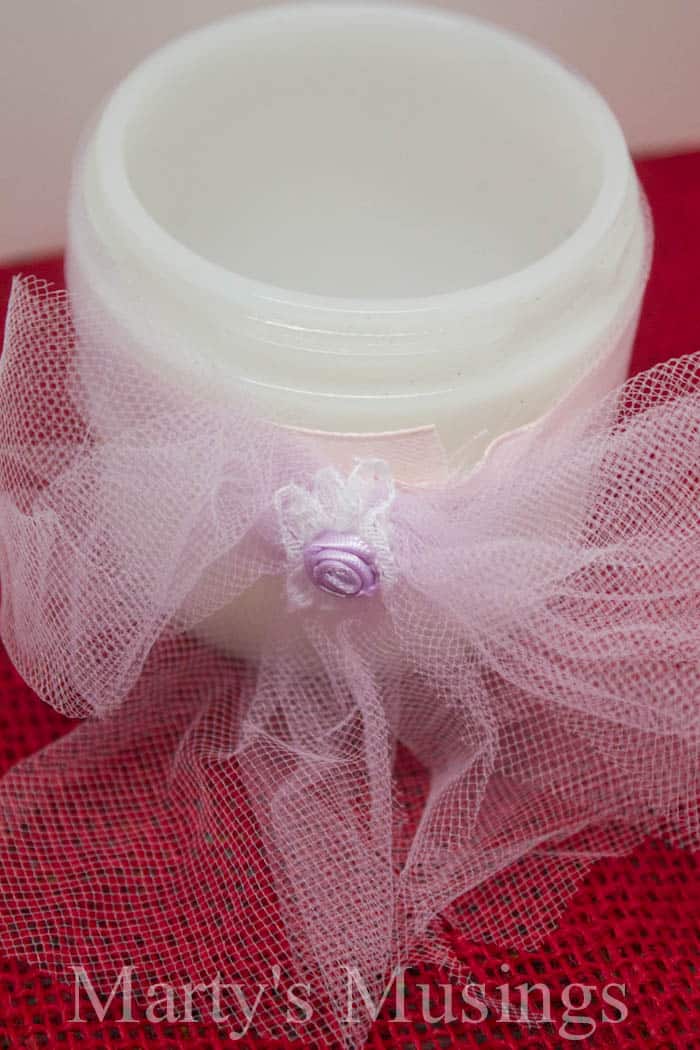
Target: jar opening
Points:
(364, 152)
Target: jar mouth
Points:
(132, 202)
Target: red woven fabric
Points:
(636, 921)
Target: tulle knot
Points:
(336, 533)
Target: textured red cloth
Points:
(635, 922)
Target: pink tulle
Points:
(518, 696)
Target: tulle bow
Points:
(329, 713)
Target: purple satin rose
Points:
(342, 564)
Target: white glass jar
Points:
(382, 220)
(380, 217)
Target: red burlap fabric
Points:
(635, 922)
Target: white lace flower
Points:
(336, 533)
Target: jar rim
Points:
(172, 256)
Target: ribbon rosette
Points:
(486, 682)
(336, 532)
